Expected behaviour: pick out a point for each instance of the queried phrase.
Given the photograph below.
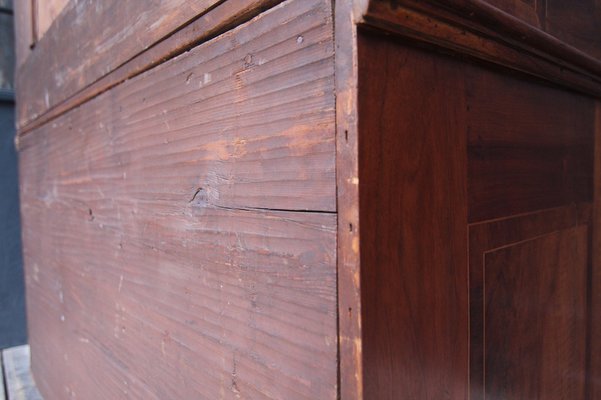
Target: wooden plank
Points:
(189, 228)
(413, 210)
(248, 119)
(216, 21)
(530, 147)
(19, 382)
(347, 175)
(119, 31)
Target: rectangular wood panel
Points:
(530, 147)
(529, 279)
(535, 318)
(179, 229)
(413, 211)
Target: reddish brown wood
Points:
(413, 209)
(530, 147)
(535, 317)
(216, 21)
(574, 22)
(350, 373)
(179, 230)
(477, 29)
(119, 31)
(231, 200)
(539, 239)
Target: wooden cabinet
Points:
(306, 200)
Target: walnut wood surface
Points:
(529, 313)
(479, 30)
(535, 318)
(179, 230)
(530, 147)
(413, 209)
(443, 143)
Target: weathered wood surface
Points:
(46, 12)
(347, 178)
(216, 21)
(188, 224)
(102, 35)
(19, 382)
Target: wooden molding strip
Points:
(480, 30)
(218, 20)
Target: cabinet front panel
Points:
(458, 160)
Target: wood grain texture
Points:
(574, 22)
(530, 147)
(214, 22)
(177, 259)
(528, 287)
(479, 30)
(413, 209)
(119, 31)
(535, 318)
(347, 174)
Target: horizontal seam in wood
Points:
(82, 97)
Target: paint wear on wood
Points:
(193, 209)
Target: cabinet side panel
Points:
(413, 210)
(180, 229)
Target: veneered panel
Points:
(535, 318)
(575, 22)
(530, 147)
(166, 248)
(413, 211)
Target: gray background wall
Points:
(12, 299)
